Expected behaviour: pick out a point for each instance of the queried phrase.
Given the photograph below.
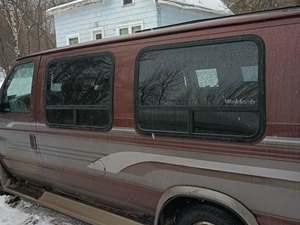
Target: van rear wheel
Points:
(207, 215)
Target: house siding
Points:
(168, 15)
(109, 16)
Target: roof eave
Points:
(224, 12)
(71, 5)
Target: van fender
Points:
(207, 195)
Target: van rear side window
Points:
(79, 92)
(212, 90)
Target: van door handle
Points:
(33, 143)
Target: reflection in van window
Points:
(201, 90)
(250, 73)
(207, 78)
(18, 89)
(21, 82)
(79, 91)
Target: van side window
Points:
(210, 90)
(79, 92)
(17, 91)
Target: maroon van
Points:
(195, 124)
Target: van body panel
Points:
(130, 171)
(17, 130)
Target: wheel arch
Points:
(204, 194)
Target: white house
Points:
(86, 20)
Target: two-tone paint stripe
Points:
(117, 162)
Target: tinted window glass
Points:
(226, 123)
(215, 88)
(60, 116)
(93, 117)
(17, 92)
(164, 120)
(79, 91)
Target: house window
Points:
(130, 28)
(124, 31)
(73, 39)
(79, 92)
(212, 90)
(127, 2)
(97, 34)
(135, 29)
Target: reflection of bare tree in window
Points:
(244, 91)
(94, 84)
(85, 81)
(164, 87)
(230, 92)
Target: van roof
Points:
(184, 27)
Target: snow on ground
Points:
(25, 213)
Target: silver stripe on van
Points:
(117, 162)
(281, 141)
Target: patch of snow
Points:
(71, 5)
(10, 216)
(217, 6)
(26, 213)
(210, 5)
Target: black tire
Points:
(206, 214)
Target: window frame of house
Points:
(129, 26)
(190, 133)
(76, 126)
(95, 31)
(71, 36)
(128, 4)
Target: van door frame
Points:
(22, 122)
